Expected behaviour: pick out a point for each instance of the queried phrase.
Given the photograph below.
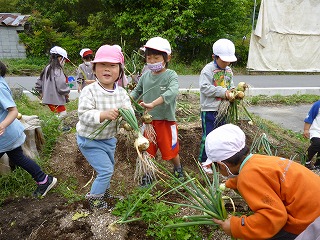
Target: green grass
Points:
(286, 100)
(33, 66)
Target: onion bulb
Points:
(231, 96)
(239, 95)
(19, 116)
(222, 187)
(242, 86)
(146, 118)
(127, 126)
(141, 143)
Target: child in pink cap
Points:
(99, 102)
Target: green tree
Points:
(7, 6)
(191, 26)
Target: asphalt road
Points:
(288, 117)
(192, 81)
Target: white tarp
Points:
(286, 37)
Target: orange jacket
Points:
(280, 192)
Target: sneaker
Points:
(42, 189)
(178, 173)
(96, 202)
(309, 166)
(316, 166)
(66, 129)
(207, 168)
(146, 181)
(107, 195)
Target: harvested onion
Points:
(141, 143)
(146, 118)
(239, 95)
(19, 116)
(127, 126)
(242, 86)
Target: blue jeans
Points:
(283, 235)
(208, 122)
(100, 155)
(17, 157)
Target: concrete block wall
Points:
(9, 43)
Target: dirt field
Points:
(51, 217)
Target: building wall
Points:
(9, 43)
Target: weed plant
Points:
(144, 206)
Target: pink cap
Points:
(108, 53)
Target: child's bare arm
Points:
(12, 115)
(306, 128)
(153, 104)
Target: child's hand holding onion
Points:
(230, 95)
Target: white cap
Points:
(85, 52)
(160, 44)
(224, 142)
(60, 51)
(225, 49)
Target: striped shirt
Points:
(92, 101)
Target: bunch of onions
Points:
(229, 109)
(144, 163)
(236, 94)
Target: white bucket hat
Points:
(60, 51)
(225, 49)
(160, 44)
(224, 142)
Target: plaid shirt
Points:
(92, 101)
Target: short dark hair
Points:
(88, 57)
(3, 69)
(151, 51)
(239, 156)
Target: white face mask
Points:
(155, 67)
(230, 174)
(87, 64)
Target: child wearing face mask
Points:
(160, 88)
(215, 81)
(52, 83)
(85, 74)
(98, 103)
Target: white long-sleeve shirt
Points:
(92, 101)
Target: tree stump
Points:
(32, 145)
